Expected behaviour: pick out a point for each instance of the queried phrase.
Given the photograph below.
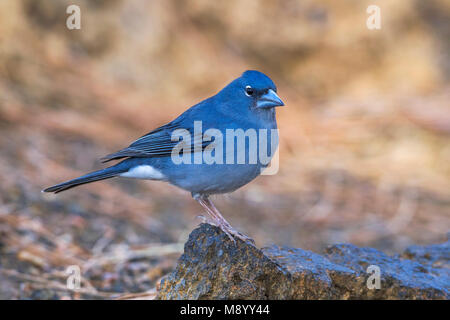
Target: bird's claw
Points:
(206, 220)
(232, 233)
(246, 239)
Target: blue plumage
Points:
(221, 144)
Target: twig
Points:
(153, 251)
(51, 284)
(148, 295)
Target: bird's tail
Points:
(88, 178)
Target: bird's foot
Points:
(219, 221)
(227, 232)
(207, 220)
(232, 233)
(225, 228)
(245, 238)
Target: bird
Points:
(177, 152)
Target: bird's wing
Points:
(157, 143)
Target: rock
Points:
(212, 267)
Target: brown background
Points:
(365, 151)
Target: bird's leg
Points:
(233, 231)
(216, 220)
(207, 219)
(220, 220)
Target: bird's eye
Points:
(249, 91)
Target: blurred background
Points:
(364, 154)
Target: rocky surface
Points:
(212, 267)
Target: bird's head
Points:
(259, 89)
(255, 89)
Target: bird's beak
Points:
(269, 100)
